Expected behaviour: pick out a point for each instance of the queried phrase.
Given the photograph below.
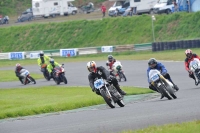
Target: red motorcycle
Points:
(59, 75)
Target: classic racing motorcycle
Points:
(195, 68)
(118, 72)
(27, 79)
(163, 85)
(109, 93)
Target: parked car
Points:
(26, 16)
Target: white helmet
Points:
(91, 66)
(41, 53)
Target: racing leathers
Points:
(110, 64)
(187, 63)
(101, 72)
(17, 72)
(160, 67)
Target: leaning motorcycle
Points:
(109, 93)
(195, 68)
(164, 86)
(45, 72)
(27, 79)
(118, 72)
(59, 75)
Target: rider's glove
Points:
(190, 72)
(107, 64)
(163, 74)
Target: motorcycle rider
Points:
(51, 67)
(189, 57)
(153, 64)
(17, 72)
(43, 59)
(98, 72)
(110, 63)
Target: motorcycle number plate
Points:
(155, 77)
(26, 73)
(98, 83)
(195, 66)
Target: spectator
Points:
(175, 6)
(188, 5)
(103, 9)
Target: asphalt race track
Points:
(99, 119)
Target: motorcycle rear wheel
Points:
(109, 101)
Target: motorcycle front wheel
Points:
(64, 79)
(32, 80)
(107, 99)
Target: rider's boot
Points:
(120, 90)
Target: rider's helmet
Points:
(110, 58)
(18, 66)
(41, 54)
(51, 61)
(188, 53)
(91, 66)
(152, 63)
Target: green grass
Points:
(8, 75)
(31, 101)
(109, 31)
(186, 127)
(176, 55)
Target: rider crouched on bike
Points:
(110, 63)
(101, 72)
(153, 64)
(51, 67)
(17, 72)
(189, 57)
(43, 59)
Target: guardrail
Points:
(77, 51)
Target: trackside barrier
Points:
(173, 45)
(80, 51)
(145, 46)
(4, 55)
(84, 51)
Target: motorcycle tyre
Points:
(163, 91)
(109, 101)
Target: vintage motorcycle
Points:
(163, 85)
(27, 79)
(45, 72)
(118, 72)
(195, 68)
(109, 93)
(59, 75)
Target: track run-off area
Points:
(134, 115)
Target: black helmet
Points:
(110, 58)
(152, 62)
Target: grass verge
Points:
(31, 101)
(8, 75)
(176, 55)
(186, 127)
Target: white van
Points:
(164, 6)
(118, 4)
(143, 6)
(48, 8)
